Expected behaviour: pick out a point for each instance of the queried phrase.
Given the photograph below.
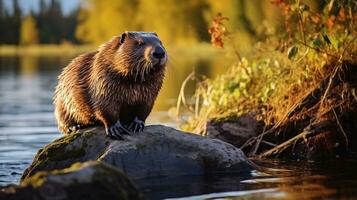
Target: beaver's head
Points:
(138, 54)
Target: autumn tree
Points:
(29, 32)
(101, 20)
(175, 21)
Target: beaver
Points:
(115, 86)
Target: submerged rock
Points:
(158, 151)
(89, 180)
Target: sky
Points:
(27, 5)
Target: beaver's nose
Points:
(159, 52)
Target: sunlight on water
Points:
(26, 119)
(299, 180)
(273, 193)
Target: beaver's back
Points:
(72, 98)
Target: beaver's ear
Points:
(124, 36)
(154, 34)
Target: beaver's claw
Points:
(116, 131)
(136, 126)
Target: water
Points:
(280, 180)
(27, 124)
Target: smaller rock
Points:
(89, 180)
(235, 131)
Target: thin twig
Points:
(301, 25)
(239, 57)
(268, 143)
(318, 50)
(340, 126)
(249, 142)
(281, 147)
(348, 45)
(329, 86)
(181, 98)
(197, 105)
(303, 56)
(256, 146)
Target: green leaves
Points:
(317, 42)
(326, 39)
(292, 51)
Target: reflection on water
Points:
(27, 124)
(26, 119)
(296, 180)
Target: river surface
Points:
(27, 123)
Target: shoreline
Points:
(70, 49)
(50, 49)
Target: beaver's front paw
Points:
(116, 131)
(136, 126)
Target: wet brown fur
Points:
(101, 87)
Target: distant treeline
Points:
(48, 26)
(176, 21)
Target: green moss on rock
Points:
(54, 150)
(101, 180)
(57, 151)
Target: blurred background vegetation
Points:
(177, 22)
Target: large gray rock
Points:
(91, 180)
(158, 151)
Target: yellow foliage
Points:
(169, 19)
(101, 20)
(29, 32)
(175, 21)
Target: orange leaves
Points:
(330, 22)
(281, 3)
(218, 30)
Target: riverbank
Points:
(300, 85)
